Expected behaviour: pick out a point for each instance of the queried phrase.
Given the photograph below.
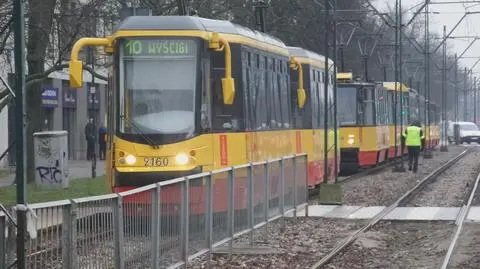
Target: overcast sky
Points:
(449, 15)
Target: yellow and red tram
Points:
(363, 121)
(309, 121)
(191, 95)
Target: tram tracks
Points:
(342, 246)
(460, 223)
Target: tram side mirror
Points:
(228, 88)
(76, 73)
(301, 97)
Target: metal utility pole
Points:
(182, 8)
(456, 89)
(260, 6)
(325, 90)
(465, 89)
(20, 130)
(444, 143)
(335, 123)
(398, 84)
(427, 154)
(475, 100)
(92, 115)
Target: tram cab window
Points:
(347, 105)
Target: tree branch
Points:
(39, 77)
(5, 101)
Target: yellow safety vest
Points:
(413, 136)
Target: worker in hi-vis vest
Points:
(414, 140)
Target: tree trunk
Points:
(40, 15)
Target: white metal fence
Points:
(162, 225)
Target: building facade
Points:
(69, 110)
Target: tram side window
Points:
(246, 93)
(330, 103)
(405, 106)
(283, 92)
(226, 117)
(321, 99)
(314, 99)
(276, 95)
(378, 107)
(369, 104)
(260, 105)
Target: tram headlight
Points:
(181, 159)
(351, 139)
(130, 159)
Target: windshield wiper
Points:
(147, 139)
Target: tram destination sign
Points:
(158, 47)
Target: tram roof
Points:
(301, 52)
(159, 23)
(391, 86)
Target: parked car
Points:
(469, 132)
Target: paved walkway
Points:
(399, 213)
(77, 169)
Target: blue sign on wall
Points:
(50, 97)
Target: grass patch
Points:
(77, 188)
(5, 173)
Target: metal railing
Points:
(163, 225)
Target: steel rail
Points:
(460, 221)
(345, 243)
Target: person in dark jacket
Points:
(414, 139)
(90, 137)
(102, 142)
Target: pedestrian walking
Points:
(414, 139)
(102, 141)
(90, 137)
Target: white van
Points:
(469, 132)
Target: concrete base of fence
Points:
(330, 194)
(248, 250)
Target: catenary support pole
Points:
(335, 123)
(325, 90)
(427, 153)
(398, 85)
(443, 146)
(20, 130)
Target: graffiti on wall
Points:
(48, 164)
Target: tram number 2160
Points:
(156, 161)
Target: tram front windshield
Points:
(347, 105)
(157, 86)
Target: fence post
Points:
(184, 225)
(295, 190)
(155, 225)
(306, 183)
(209, 219)
(251, 205)
(3, 252)
(69, 233)
(265, 193)
(231, 210)
(282, 195)
(117, 205)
